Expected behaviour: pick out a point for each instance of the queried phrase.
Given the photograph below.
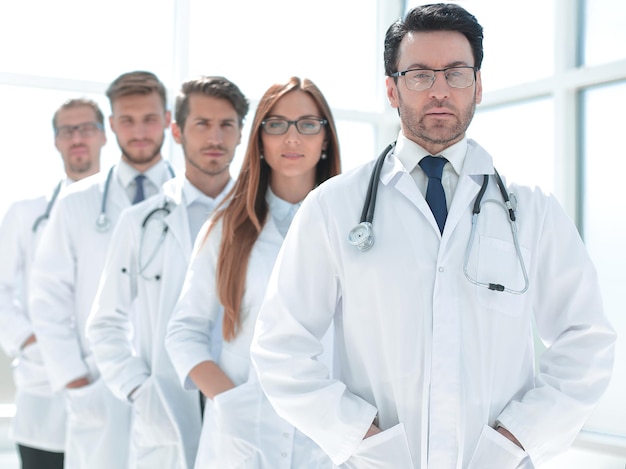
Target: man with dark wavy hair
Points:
(144, 272)
(433, 320)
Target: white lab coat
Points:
(439, 359)
(240, 429)
(39, 420)
(64, 280)
(166, 418)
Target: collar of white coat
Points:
(156, 174)
(466, 156)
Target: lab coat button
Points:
(284, 455)
(441, 269)
(286, 435)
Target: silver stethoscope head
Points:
(362, 236)
(103, 224)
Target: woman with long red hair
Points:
(293, 147)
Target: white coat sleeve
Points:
(189, 334)
(576, 367)
(302, 298)
(52, 303)
(15, 327)
(110, 323)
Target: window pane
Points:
(256, 44)
(93, 41)
(517, 51)
(357, 144)
(604, 227)
(527, 156)
(605, 34)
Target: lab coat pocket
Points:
(499, 263)
(237, 417)
(29, 372)
(495, 451)
(386, 450)
(151, 423)
(87, 405)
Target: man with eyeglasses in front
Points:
(38, 426)
(433, 326)
(69, 261)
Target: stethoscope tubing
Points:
(144, 266)
(362, 235)
(46, 214)
(103, 223)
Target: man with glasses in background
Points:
(433, 325)
(69, 261)
(38, 426)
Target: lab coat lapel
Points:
(395, 175)
(466, 190)
(477, 163)
(177, 220)
(116, 197)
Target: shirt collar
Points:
(155, 174)
(279, 208)
(410, 153)
(192, 194)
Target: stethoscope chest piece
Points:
(362, 236)
(103, 224)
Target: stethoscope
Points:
(362, 235)
(103, 223)
(46, 214)
(143, 266)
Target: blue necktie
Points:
(139, 194)
(435, 196)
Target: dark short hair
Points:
(217, 87)
(78, 102)
(434, 17)
(137, 82)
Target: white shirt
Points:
(199, 206)
(126, 175)
(410, 154)
(282, 211)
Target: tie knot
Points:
(433, 166)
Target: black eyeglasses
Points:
(86, 129)
(306, 126)
(422, 79)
